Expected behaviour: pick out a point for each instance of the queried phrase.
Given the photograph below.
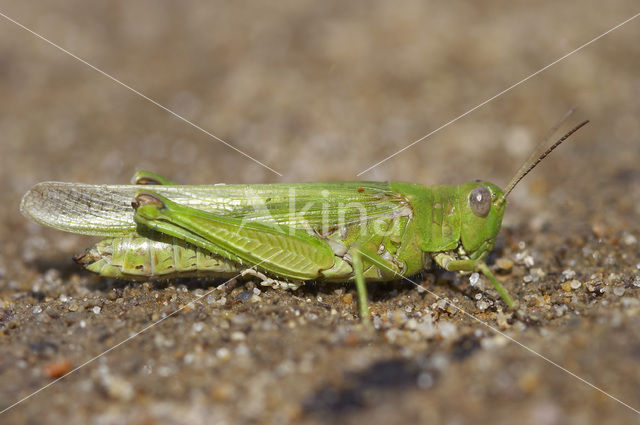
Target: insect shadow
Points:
(360, 390)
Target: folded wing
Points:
(105, 210)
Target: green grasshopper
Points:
(284, 234)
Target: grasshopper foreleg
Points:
(452, 264)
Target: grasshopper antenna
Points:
(532, 161)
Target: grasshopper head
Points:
(482, 203)
(481, 217)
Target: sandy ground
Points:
(322, 91)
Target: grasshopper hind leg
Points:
(286, 254)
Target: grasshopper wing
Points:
(105, 210)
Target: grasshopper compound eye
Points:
(480, 201)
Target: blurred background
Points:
(314, 91)
(321, 91)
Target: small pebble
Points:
(629, 239)
(377, 322)
(58, 368)
(425, 381)
(96, 310)
(240, 319)
(242, 350)
(37, 310)
(244, 296)
(223, 353)
(560, 310)
(482, 305)
(411, 324)
(189, 358)
(504, 263)
(600, 230)
(473, 279)
(630, 302)
(447, 329)
(502, 320)
(73, 307)
(575, 284)
(223, 392)
(426, 328)
(618, 290)
(613, 278)
(118, 388)
(568, 274)
(442, 304)
(392, 334)
(529, 382)
(537, 273)
(238, 336)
